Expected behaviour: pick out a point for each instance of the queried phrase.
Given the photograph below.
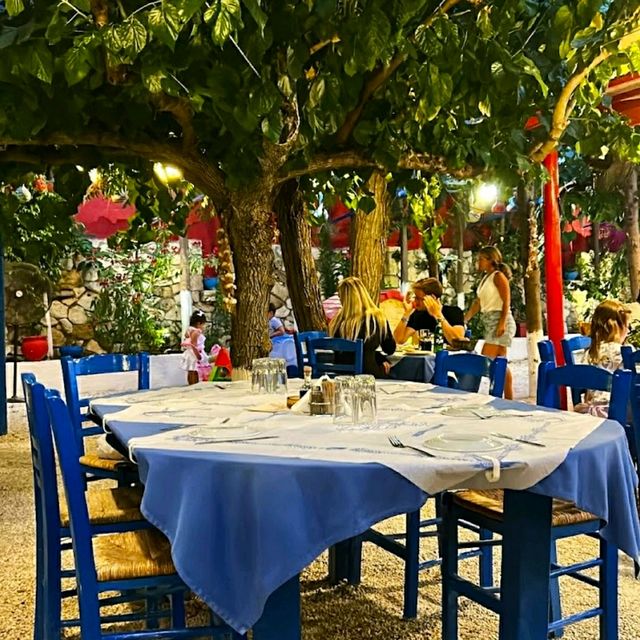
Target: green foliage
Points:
(125, 313)
(332, 264)
(422, 197)
(37, 226)
(218, 330)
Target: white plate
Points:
(469, 411)
(463, 443)
(223, 435)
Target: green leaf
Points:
(57, 28)
(14, 7)
(133, 36)
(186, 9)
(316, 92)
(563, 22)
(224, 15)
(153, 80)
(39, 62)
(76, 65)
(260, 17)
(15, 35)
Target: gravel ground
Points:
(371, 610)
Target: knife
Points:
(506, 437)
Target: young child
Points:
(276, 328)
(609, 328)
(193, 346)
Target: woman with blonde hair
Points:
(360, 318)
(494, 303)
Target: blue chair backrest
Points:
(585, 376)
(547, 351)
(630, 360)
(73, 479)
(471, 364)
(301, 340)
(45, 486)
(335, 345)
(570, 345)
(72, 368)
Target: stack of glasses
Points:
(269, 375)
(355, 400)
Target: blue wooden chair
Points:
(630, 360)
(326, 346)
(408, 551)
(109, 509)
(83, 422)
(135, 564)
(547, 351)
(471, 365)
(301, 340)
(485, 510)
(571, 345)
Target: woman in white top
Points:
(494, 302)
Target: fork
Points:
(395, 442)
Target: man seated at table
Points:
(424, 311)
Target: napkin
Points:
(302, 406)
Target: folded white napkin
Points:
(302, 406)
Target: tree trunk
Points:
(528, 225)
(249, 224)
(369, 238)
(295, 241)
(432, 260)
(633, 232)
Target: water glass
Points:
(345, 406)
(268, 375)
(366, 397)
(258, 374)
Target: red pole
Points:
(553, 258)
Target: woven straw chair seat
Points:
(107, 506)
(134, 554)
(95, 461)
(490, 503)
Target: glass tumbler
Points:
(365, 386)
(345, 407)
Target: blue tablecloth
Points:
(414, 368)
(242, 525)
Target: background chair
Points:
(319, 348)
(301, 340)
(135, 564)
(408, 551)
(571, 345)
(630, 360)
(83, 422)
(470, 365)
(547, 351)
(109, 509)
(485, 510)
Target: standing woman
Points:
(360, 318)
(494, 303)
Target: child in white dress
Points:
(609, 328)
(193, 346)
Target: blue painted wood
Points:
(300, 340)
(570, 345)
(3, 352)
(525, 575)
(472, 364)
(72, 368)
(547, 351)
(281, 617)
(552, 379)
(82, 532)
(320, 367)
(449, 547)
(630, 360)
(608, 591)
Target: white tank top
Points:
(488, 294)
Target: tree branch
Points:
(380, 76)
(100, 11)
(352, 159)
(565, 103)
(180, 109)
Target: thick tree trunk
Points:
(432, 260)
(369, 237)
(249, 225)
(295, 241)
(528, 225)
(633, 232)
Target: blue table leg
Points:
(345, 561)
(281, 617)
(526, 548)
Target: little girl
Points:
(193, 346)
(609, 328)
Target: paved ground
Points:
(371, 610)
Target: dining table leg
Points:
(526, 547)
(345, 561)
(281, 617)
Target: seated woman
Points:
(361, 319)
(423, 310)
(609, 328)
(276, 328)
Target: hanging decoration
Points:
(225, 270)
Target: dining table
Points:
(249, 493)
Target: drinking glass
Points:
(345, 407)
(258, 370)
(365, 386)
